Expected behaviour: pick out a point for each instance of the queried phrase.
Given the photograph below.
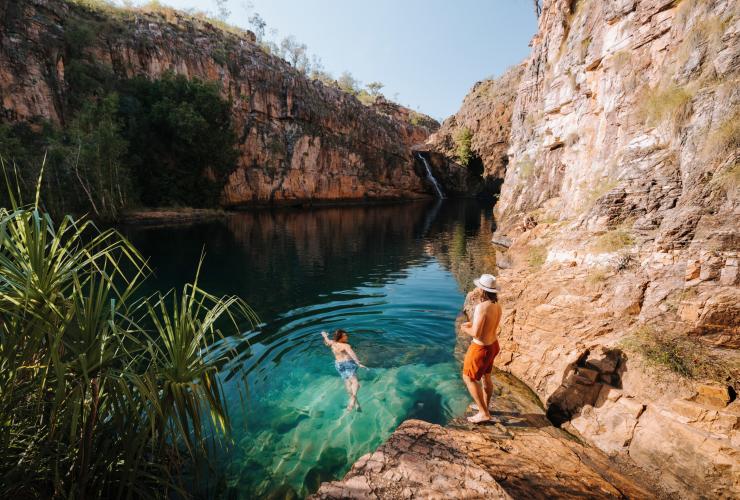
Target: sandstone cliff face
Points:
(299, 139)
(486, 113)
(620, 207)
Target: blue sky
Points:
(428, 53)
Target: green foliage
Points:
(181, 139)
(374, 88)
(102, 395)
(162, 142)
(366, 98)
(463, 151)
(536, 256)
(422, 120)
(96, 156)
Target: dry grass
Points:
(706, 34)
(613, 240)
(170, 14)
(597, 275)
(525, 167)
(724, 140)
(680, 354)
(671, 104)
(536, 256)
(598, 190)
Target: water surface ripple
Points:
(387, 274)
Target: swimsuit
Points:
(346, 368)
(479, 360)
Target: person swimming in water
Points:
(346, 363)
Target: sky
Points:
(427, 53)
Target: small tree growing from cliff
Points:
(374, 88)
(463, 151)
(348, 83)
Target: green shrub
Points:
(103, 395)
(463, 152)
(181, 140)
(366, 98)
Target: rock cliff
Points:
(618, 235)
(486, 114)
(299, 139)
(617, 143)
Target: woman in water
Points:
(346, 364)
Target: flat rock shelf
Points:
(518, 455)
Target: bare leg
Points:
(355, 386)
(488, 389)
(476, 391)
(348, 387)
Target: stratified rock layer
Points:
(620, 208)
(298, 139)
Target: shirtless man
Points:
(346, 363)
(484, 347)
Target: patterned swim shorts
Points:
(346, 369)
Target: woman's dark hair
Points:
(339, 334)
(492, 296)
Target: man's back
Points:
(491, 315)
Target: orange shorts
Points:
(479, 360)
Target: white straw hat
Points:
(486, 282)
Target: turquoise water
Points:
(380, 272)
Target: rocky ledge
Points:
(519, 455)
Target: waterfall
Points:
(430, 177)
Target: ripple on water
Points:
(295, 433)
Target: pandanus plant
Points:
(103, 393)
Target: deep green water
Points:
(381, 272)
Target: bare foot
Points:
(478, 418)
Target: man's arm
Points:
(354, 357)
(476, 327)
(326, 339)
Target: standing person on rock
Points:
(484, 347)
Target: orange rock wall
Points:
(299, 139)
